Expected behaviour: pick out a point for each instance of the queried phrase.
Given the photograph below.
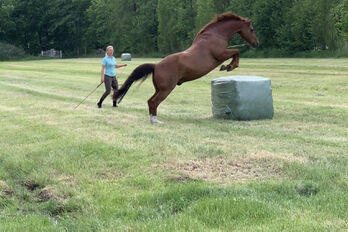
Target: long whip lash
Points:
(88, 95)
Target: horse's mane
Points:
(220, 18)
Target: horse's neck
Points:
(227, 28)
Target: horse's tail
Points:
(140, 72)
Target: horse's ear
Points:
(247, 21)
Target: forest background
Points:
(154, 28)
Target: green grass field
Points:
(109, 169)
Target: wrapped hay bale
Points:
(242, 98)
(126, 57)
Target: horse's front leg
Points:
(231, 53)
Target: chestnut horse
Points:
(208, 50)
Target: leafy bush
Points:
(8, 51)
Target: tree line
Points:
(166, 26)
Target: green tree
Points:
(295, 34)
(205, 13)
(31, 20)
(99, 30)
(168, 26)
(7, 25)
(339, 14)
(124, 34)
(145, 26)
(68, 25)
(242, 8)
(322, 26)
(185, 25)
(269, 16)
(308, 25)
(175, 24)
(222, 6)
(129, 25)
(59, 24)
(136, 26)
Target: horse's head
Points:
(247, 33)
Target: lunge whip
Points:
(88, 95)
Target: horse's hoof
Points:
(223, 67)
(154, 120)
(229, 68)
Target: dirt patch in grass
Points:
(47, 193)
(109, 175)
(50, 193)
(55, 200)
(258, 166)
(60, 191)
(30, 185)
(5, 190)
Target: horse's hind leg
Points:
(154, 102)
(164, 80)
(149, 104)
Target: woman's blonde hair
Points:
(108, 47)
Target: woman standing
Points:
(108, 75)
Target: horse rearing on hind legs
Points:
(208, 50)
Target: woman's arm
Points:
(121, 65)
(102, 74)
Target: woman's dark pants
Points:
(109, 82)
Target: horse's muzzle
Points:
(255, 44)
